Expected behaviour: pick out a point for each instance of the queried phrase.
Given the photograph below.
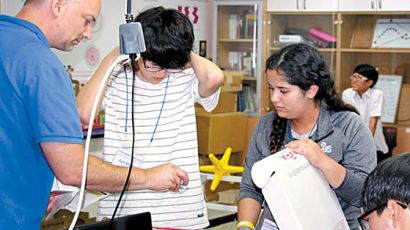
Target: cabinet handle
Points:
(304, 4)
(372, 4)
(297, 4)
(380, 4)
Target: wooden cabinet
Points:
(298, 23)
(336, 5)
(354, 32)
(373, 5)
(356, 36)
(351, 23)
(301, 5)
(238, 45)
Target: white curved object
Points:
(90, 128)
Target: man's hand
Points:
(166, 176)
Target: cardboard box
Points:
(63, 218)
(228, 197)
(223, 186)
(232, 80)
(226, 104)
(403, 116)
(216, 132)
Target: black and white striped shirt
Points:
(174, 140)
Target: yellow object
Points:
(245, 224)
(220, 168)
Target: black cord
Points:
(132, 57)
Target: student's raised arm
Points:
(210, 76)
(86, 96)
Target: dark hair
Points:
(389, 180)
(168, 35)
(303, 66)
(368, 71)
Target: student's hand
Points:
(52, 200)
(310, 149)
(166, 176)
(332, 170)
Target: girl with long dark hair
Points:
(311, 120)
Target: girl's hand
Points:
(310, 149)
(333, 171)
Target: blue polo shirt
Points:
(37, 105)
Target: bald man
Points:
(40, 129)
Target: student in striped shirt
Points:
(164, 117)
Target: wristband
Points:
(245, 225)
(244, 228)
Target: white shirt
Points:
(369, 105)
(174, 140)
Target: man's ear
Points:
(311, 93)
(57, 7)
(392, 209)
(369, 83)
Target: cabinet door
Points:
(302, 5)
(358, 5)
(237, 46)
(281, 5)
(393, 5)
(319, 5)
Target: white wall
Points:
(112, 15)
(106, 38)
(10, 7)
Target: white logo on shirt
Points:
(326, 148)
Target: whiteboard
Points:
(391, 86)
(392, 33)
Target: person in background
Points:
(40, 129)
(310, 120)
(369, 103)
(386, 195)
(164, 116)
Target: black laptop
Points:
(140, 221)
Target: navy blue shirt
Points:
(37, 105)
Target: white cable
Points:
(89, 132)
